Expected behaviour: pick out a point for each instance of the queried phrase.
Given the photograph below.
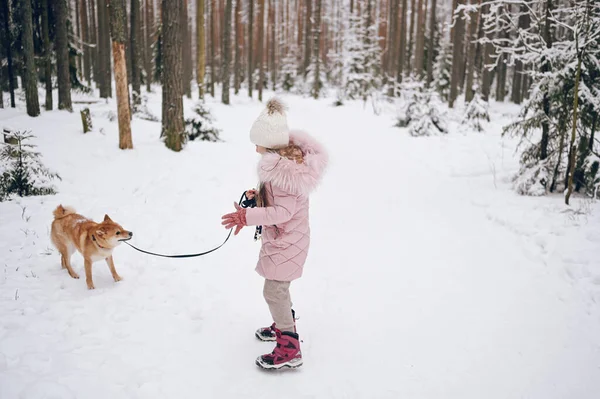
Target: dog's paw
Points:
(90, 285)
(74, 275)
(117, 278)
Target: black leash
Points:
(247, 203)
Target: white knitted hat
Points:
(270, 130)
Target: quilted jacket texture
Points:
(286, 230)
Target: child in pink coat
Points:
(290, 169)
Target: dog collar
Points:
(96, 241)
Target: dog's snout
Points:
(130, 234)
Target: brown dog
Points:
(95, 241)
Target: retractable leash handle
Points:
(241, 202)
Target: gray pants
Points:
(277, 295)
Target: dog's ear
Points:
(101, 232)
(107, 219)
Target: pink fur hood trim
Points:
(294, 178)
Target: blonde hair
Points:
(291, 152)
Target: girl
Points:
(291, 166)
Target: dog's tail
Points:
(62, 211)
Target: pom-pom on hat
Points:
(270, 130)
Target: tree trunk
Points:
(94, 59)
(85, 39)
(172, 89)
(420, 42)
(317, 84)
(392, 43)
(8, 49)
(47, 56)
(402, 57)
(307, 32)
(30, 71)
(410, 36)
(149, 33)
(573, 149)
(200, 47)
(79, 58)
(119, 37)
(431, 43)
(186, 50)
(62, 56)
(104, 48)
(250, 49)
(273, 25)
(457, 55)
(545, 69)
(213, 50)
(300, 24)
(501, 81)
(226, 71)
(261, 29)
(486, 75)
(136, 59)
(237, 66)
(471, 55)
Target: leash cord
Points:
(188, 255)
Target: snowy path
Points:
(424, 280)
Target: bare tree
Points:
(172, 87)
(261, 44)
(431, 43)
(85, 37)
(226, 71)
(457, 55)
(47, 55)
(471, 52)
(250, 49)
(200, 47)
(119, 37)
(213, 50)
(317, 84)
(186, 50)
(30, 71)
(307, 36)
(237, 67)
(62, 55)
(136, 59)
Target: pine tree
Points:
(442, 70)
(363, 55)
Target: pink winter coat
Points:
(286, 230)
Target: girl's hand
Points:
(236, 219)
(251, 194)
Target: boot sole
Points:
(290, 365)
(263, 339)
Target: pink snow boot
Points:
(268, 333)
(286, 353)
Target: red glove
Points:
(236, 219)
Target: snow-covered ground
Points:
(428, 277)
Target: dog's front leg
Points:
(111, 266)
(88, 274)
